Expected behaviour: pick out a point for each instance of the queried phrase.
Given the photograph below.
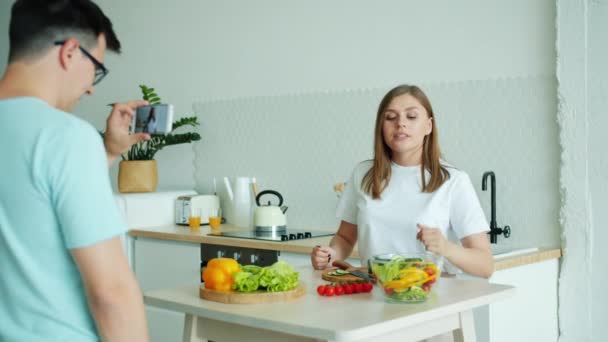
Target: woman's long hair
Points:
(377, 178)
(151, 115)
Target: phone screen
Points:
(153, 119)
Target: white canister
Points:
(242, 202)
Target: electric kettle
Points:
(269, 218)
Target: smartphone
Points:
(153, 119)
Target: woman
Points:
(407, 199)
(151, 122)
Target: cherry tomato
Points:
(426, 287)
(339, 290)
(321, 290)
(348, 289)
(329, 290)
(358, 287)
(388, 291)
(367, 287)
(432, 281)
(429, 271)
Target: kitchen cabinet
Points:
(531, 314)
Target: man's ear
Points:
(67, 52)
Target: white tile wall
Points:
(302, 144)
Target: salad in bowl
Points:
(406, 277)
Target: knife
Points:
(343, 265)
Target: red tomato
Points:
(329, 290)
(429, 271)
(348, 288)
(367, 287)
(321, 290)
(358, 287)
(426, 287)
(432, 281)
(388, 291)
(339, 290)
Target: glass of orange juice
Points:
(194, 220)
(215, 219)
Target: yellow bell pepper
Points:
(407, 277)
(219, 274)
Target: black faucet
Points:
(494, 229)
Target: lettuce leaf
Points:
(246, 282)
(281, 276)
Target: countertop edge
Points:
(285, 246)
(542, 254)
(305, 246)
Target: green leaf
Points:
(149, 95)
(187, 121)
(154, 100)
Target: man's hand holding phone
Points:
(117, 137)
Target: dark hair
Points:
(37, 24)
(151, 114)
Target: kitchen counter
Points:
(304, 246)
(185, 234)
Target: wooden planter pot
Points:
(137, 176)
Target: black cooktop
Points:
(278, 236)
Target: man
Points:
(63, 274)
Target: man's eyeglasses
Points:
(100, 70)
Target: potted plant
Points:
(138, 171)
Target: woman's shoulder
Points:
(456, 175)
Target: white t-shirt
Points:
(388, 224)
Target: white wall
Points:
(216, 50)
(302, 144)
(598, 163)
(582, 74)
(316, 73)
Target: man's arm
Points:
(117, 139)
(113, 294)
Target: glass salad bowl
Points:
(405, 277)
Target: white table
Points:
(357, 317)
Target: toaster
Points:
(208, 205)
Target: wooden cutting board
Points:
(343, 278)
(258, 297)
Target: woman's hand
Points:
(117, 139)
(433, 240)
(322, 257)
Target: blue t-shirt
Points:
(55, 195)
